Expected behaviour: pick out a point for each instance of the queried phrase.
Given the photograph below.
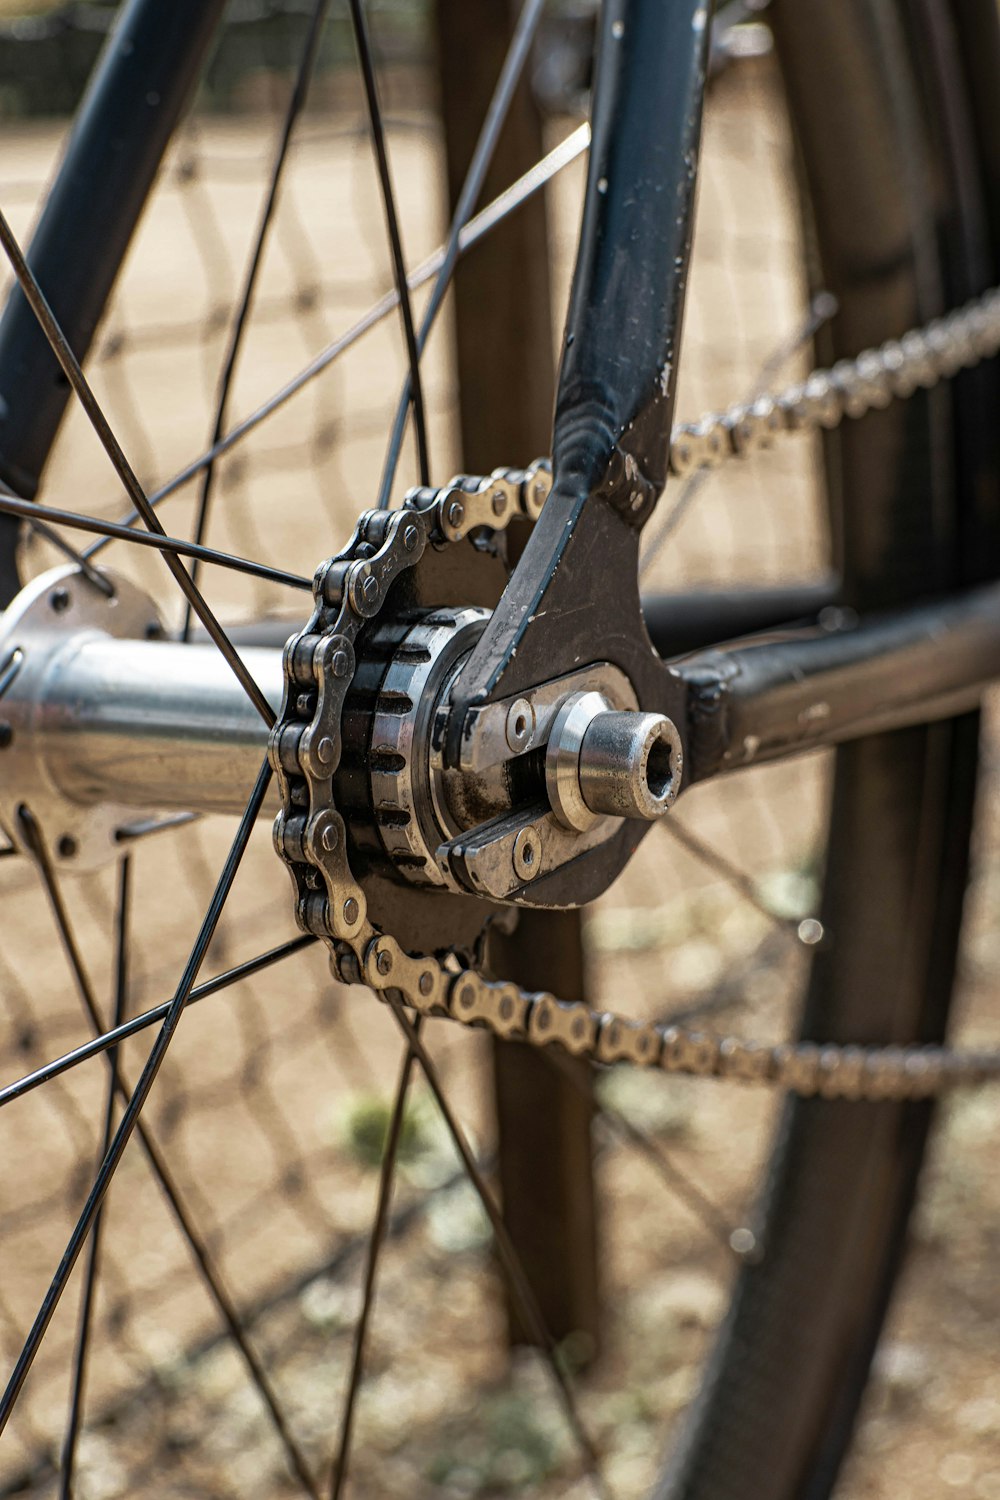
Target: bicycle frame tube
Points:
(576, 584)
(132, 105)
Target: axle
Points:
(148, 724)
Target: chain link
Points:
(349, 589)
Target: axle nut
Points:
(604, 762)
(630, 765)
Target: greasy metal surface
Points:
(493, 732)
(562, 758)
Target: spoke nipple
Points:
(744, 1242)
(810, 931)
(455, 513)
(341, 664)
(383, 962)
(351, 910)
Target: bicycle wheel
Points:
(901, 490)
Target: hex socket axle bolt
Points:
(602, 762)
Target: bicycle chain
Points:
(895, 370)
(304, 751)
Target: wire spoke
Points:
(416, 393)
(133, 833)
(13, 505)
(137, 1098)
(496, 116)
(738, 879)
(729, 993)
(158, 1163)
(296, 103)
(375, 1243)
(711, 1216)
(821, 309)
(93, 575)
(74, 374)
(494, 214)
(9, 669)
(94, 1248)
(704, 1208)
(109, 1039)
(510, 1260)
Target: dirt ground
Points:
(270, 1105)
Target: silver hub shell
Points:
(51, 620)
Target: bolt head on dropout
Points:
(520, 725)
(527, 855)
